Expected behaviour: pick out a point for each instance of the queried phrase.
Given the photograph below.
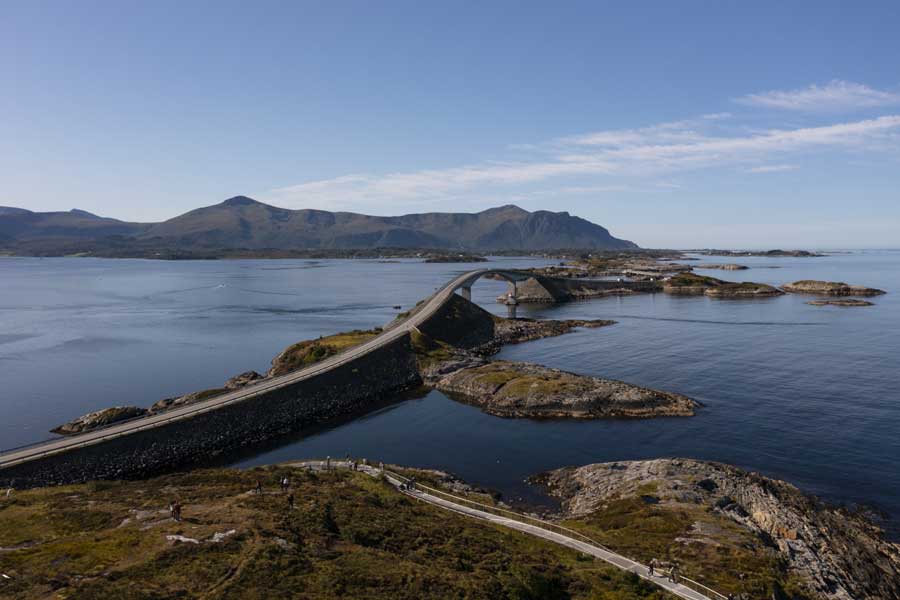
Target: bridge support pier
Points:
(511, 300)
(466, 292)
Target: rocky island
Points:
(841, 302)
(779, 541)
(693, 284)
(830, 288)
(722, 267)
(516, 389)
(455, 258)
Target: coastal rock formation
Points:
(841, 302)
(551, 289)
(767, 253)
(830, 288)
(693, 284)
(723, 267)
(745, 289)
(515, 331)
(245, 378)
(834, 553)
(455, 258)
(307, 352)
(99, 418)
(169, 403)
(515, 389)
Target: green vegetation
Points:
(708, 547)
(350, 536)
(687, 279)
(693, 283)
(429, 351)
(307, 352)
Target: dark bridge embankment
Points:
(339, 391)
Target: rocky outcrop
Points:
(455, 258)
(551, 289)
(723, 267)
(515, 331)
(515, 389)
(837, 554)
(244, 379)
(693, 284)
(841, 302)
(830, 288)
(308, 352)
(743, 290)
(179, 401)
(100, 418)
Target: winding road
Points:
(531, 526)
(421, 314)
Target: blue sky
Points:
(674, 124)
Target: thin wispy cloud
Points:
(835, 95)
(772, 168)
(597, 162)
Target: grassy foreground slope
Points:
(349, 536)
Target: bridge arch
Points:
(512, 277)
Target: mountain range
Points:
(244, 223)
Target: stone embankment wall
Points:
(196, 440)
(553, 289)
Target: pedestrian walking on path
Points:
(176, 510)
(290, 501)
(258, 488)
(651, 567)
(285, 484)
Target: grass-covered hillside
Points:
(349, 536)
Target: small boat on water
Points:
(397, 307)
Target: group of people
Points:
(284, 483)
(671, 573)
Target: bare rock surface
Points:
(244, 379)
(841, 302)
(830, 288)
(99, 418)
(169, 403)
(836, 553)
(515, 331)
(515, 389)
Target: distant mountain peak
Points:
(506, 208)
(12, 210)
(83, 213)
(242, 222)
(240, 201)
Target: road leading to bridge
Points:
(528, 525)
(419, 316)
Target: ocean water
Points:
(802, 393)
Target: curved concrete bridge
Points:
(425, 311)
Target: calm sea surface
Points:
(808, 394)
